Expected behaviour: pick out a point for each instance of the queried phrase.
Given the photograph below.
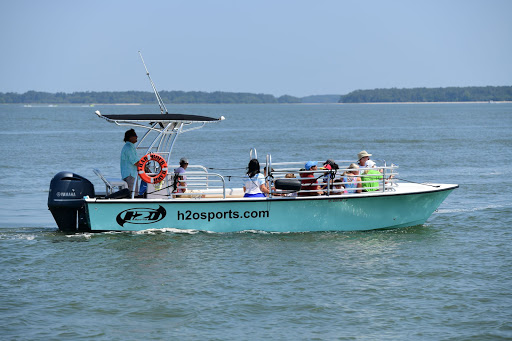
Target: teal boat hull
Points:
(359, 212)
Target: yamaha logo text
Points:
(66, 194)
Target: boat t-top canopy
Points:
(159, 118)
(166, 126)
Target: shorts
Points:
(257, 195)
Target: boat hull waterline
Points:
(358, 212)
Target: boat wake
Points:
(472, 209)
(85, 235)
(167, 230)
(21, 236)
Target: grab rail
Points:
(331, 182)
(200, 183)
(197, 185)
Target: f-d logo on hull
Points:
(141, 215)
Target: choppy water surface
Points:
(447, 280)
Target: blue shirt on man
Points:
(128, 160)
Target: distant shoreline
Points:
(479, 94)
(35, 105)
(485, 94)
(458, 102)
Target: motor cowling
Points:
(65, 200)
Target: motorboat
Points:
(206, 203)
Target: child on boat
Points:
(290, 176)
(351, 179)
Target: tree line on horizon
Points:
(393, 95)
(142, 97)
(450, 94)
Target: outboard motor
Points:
(65, 201)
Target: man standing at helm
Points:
(129, 160)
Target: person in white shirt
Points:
(254, 181)
(180, 177)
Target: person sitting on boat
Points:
(254, 181)
(351, 179)
(337, 186)
(328, 179)
(290, 176)
(309, 180)
(364, 160)
(129, 160)
(370, 176)
(179, 177)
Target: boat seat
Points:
(122, 194)
(111, 184)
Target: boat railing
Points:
(201, 170)
(192, 168)
(330, 182)
(198, 184)
(202, 185)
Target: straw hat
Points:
(362, 154)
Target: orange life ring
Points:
(152, 179)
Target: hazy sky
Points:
(276, 47)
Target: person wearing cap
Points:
(309, 181)
(179, 176)
(328, 179)
(129, 160)
(370, 177)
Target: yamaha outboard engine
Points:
(66, 203)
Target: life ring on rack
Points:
(152, 179)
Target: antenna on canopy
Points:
(158, 98)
